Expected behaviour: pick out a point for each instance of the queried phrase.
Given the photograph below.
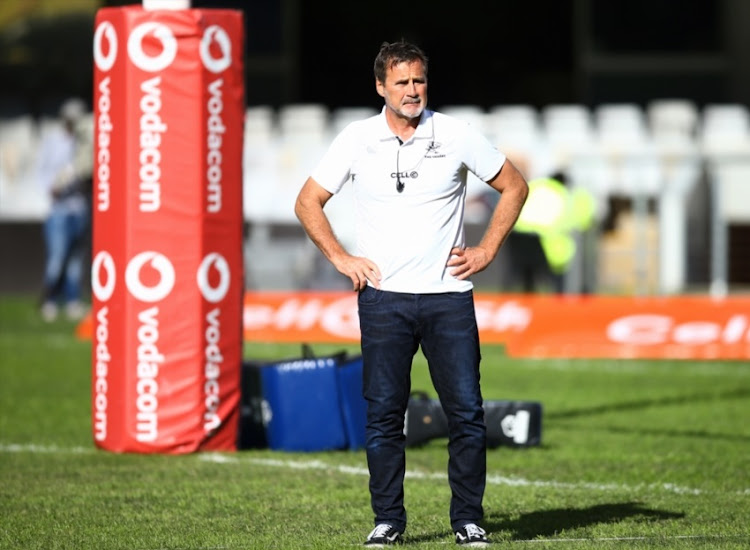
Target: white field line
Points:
(617, 539)
(491, 479)
(32, 448)
(655, 538)
(537, 541)
(227, 458)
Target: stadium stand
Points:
(654, 159)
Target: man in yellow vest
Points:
(543, 242)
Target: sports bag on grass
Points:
(509, 423)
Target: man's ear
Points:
(380, 87)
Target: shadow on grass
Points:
(647, 403)
(547, 523)
(695, 434)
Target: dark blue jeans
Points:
(64, 233)
(393, 327)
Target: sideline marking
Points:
(226, 458)
(42, 449)
(497, 540)
(625, 539)
(491, 479)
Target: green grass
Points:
(635, 454)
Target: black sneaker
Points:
(472, 535)
(383, 535)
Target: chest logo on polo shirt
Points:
(433, 151)
(413, 174)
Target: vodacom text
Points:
(103, 140)
(149, 360)
(152, 127)
(149, 357)
(216, 130)
(101, 372)
(102, 290)
(214, 360)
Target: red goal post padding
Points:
(167, 269)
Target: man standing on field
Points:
(412, 268)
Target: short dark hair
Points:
(393, 53)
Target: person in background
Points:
(64, 172)
(543, 243)
(412, 270)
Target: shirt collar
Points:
(422, 131)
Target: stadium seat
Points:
(260, 164)
(725, 128)
(569, 131)
(18, 141)
(621, 127)
(259, 124)
(303, 122)
(516, 131)
(20, 195)
(342, 116)
(303, 136)
(627, 145)
(672, 121)
(506, 122)
(474, 116)
(569, 120)
(471, 114)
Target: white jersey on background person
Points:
(409, 234)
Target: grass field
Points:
(634, 454)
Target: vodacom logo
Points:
(103, 261)
(105, 31)
(215, 32)
(161, 289)
(144, 61)
(214, 293)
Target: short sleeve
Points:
(484, 160)
(334, 169)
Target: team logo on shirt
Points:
(433, 151)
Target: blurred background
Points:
(641, 104)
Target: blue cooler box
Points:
(314, 404)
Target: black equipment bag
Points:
(509, 423)
(252, 424)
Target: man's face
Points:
(405, 89)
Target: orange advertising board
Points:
(332, 316)
(618, 327)
(535, 325)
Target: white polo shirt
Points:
(409, 234)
